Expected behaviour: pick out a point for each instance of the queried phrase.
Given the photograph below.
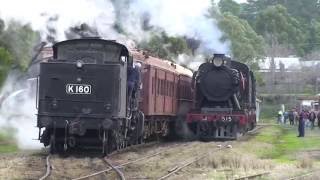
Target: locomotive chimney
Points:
(218, 55)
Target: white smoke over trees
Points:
(122, 19)
(18, 110)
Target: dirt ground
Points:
(222, 160)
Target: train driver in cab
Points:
(133, 79)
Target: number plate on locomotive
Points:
(78, 89)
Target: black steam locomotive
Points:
(82, 97)
(225, 98)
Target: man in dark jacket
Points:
(318, 117)
(312, 117)
(133, 80)
(291, 117)
(303, 117)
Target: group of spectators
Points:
(303, 119)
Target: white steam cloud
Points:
(183, 18)
(176, 17)
(70, 12)
(18, 110)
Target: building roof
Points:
(288, 62)
(161, 63)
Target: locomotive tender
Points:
(225, 99)
(83, 96)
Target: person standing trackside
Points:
(279, 117)
(285, 117)
(303, 117)
(312, 117)
(318, 118)
(296, 117)
(291, 116)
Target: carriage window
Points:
(162, 87)
(172, 90)
(170, 86)
(158, 88)
(153, 85)
(166, 88)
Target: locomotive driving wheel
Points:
(105, 147)
(52, 144)
(237, 132)
(140, 127)
(55, 147)
(203, 131)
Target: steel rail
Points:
(48, 170)
(115, 168)
(124, 164)
(178, 168)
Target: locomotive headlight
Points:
(79, 64)
(218, 61)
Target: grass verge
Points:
(7, 141)
(281, 143)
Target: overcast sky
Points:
(238, 1)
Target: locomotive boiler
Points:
(224, 99)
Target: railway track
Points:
(48, 168)
(119, 166)
(305, 175)
(121, 172)
(254, 176)
(129, 162)
(116, 169)
(105, 159)
(133, 147)
(188, 162)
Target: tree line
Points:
(256, 29)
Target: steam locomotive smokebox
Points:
(218, 84)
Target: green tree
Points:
(313, 41)
(229, 6)
(304, 11)
(278, 28)
(19, 40)
(165, 46)
(1, 26)
(246, 45)
(250, 9)
(5, 62)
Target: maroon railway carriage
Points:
(225, 99)
(166, 92)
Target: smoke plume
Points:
(183, 19)
(18, 110)
(122, 20)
